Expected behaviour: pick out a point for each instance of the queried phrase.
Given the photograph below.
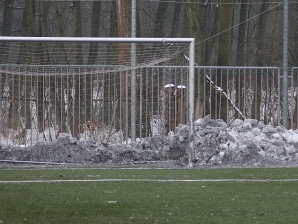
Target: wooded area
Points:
(227, 32)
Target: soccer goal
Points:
(105, 89)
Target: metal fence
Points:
(40, 103)
(240, 92)
(292, 99)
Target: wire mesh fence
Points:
(240, 92)
(39, 103)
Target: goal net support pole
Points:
(191, 99)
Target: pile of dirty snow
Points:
(245, 143)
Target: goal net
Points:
(92, 88)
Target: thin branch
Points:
(219, 89)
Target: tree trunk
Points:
(95, 23)
(61, 81)
(242, 34)
(160, 19)
(241, 49)
(223, 58)
(92, 57)
(4, 47)
(41, 83)
(77, 119)
(123, 12)
(176, 18)
(22, 84)
(256, 106)
(7, 18)
(196, 29)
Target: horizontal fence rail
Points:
(41, 103)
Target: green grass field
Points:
(263, 195)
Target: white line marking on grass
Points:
(92, 168)
(129, 168)
(146, 180)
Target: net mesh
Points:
(111, 56)
(84, 90)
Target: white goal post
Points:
(190, 59)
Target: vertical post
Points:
(285, 63)
(133, 71)
(1, 107)
(191, 99)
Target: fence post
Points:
(133, 72)
(1, 89)
(285, 63)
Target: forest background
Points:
(227, 32)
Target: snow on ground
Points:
(247, 143)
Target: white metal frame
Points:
(190, 41)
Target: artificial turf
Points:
(243, 199)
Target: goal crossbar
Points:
(97, 39)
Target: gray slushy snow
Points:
(247, 143)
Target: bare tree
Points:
(22, 90)
(76, 119)
(201, 19)
(160, 19)
(4, 48)
(259, 58)
(241, 52)
(124, 30)
(95, 28)
(176, 18)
